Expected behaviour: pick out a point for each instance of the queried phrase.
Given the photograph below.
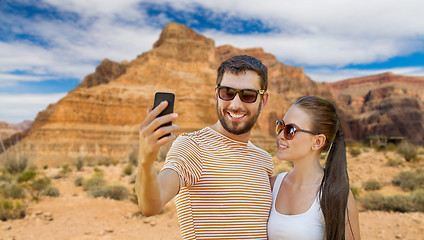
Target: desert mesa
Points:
(101, 116)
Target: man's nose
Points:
(236, 102)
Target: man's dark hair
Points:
(241, 64)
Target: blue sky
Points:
(48, 46)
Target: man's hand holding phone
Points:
(156, 130)
(154, 189)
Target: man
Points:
(221, 178)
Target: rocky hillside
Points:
(8, 130)
(385, 104)
(100, 117)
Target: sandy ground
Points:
(74, 215)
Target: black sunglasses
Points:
(245, 95)
(289, 130)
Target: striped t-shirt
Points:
(225, 191)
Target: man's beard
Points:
(232, 127)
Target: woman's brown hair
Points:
(334, 188)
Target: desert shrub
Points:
(95, 186)
(15, 162)
(100, 160)
(418, 199)
(117, 192)
(391, 147)
(78, 181)
(98, 172)
(37, 186)
(32, 167)
(420, 179)
(11, 209)
(133, 197)
(79, 163)
(408, 181)
(97, 191)
(65, 169)
(355, 191)
(373, 201)
(371, 185)
(379, 148)
(394, 162)
(27, 175)
(13, 190)
(94, 182)
(133, 158)
(51, 191)
(133, 178)
(408, 151)
(89, 161)
(128, 170)
(5, 176)
(354, 151)
(40, 184)
(399, 203)
(106, 161)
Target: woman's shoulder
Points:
(274, 178)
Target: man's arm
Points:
(153, 190)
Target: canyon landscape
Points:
(99, 120)
(100, 116)
(74, 215)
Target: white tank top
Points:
(308, 225)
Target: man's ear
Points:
(319, 142)
(264, 99)
(216, 93)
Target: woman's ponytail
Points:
(334, 188)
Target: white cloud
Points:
(73, 51)
(11, 80)
(314, 50)
(347, 17)
(96, 8)
(325, 32)
(333, 75)
(309, 32)
(14, 108)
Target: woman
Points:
(312, 202)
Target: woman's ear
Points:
(319, 142)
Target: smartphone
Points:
(170, 98)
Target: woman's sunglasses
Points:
(245, 95)
(289, 130)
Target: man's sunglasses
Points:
(245, 95)
(289, 130)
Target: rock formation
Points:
(100, 117)
(385, 104)
(6, 130)
(9, 129)
(10, 134)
